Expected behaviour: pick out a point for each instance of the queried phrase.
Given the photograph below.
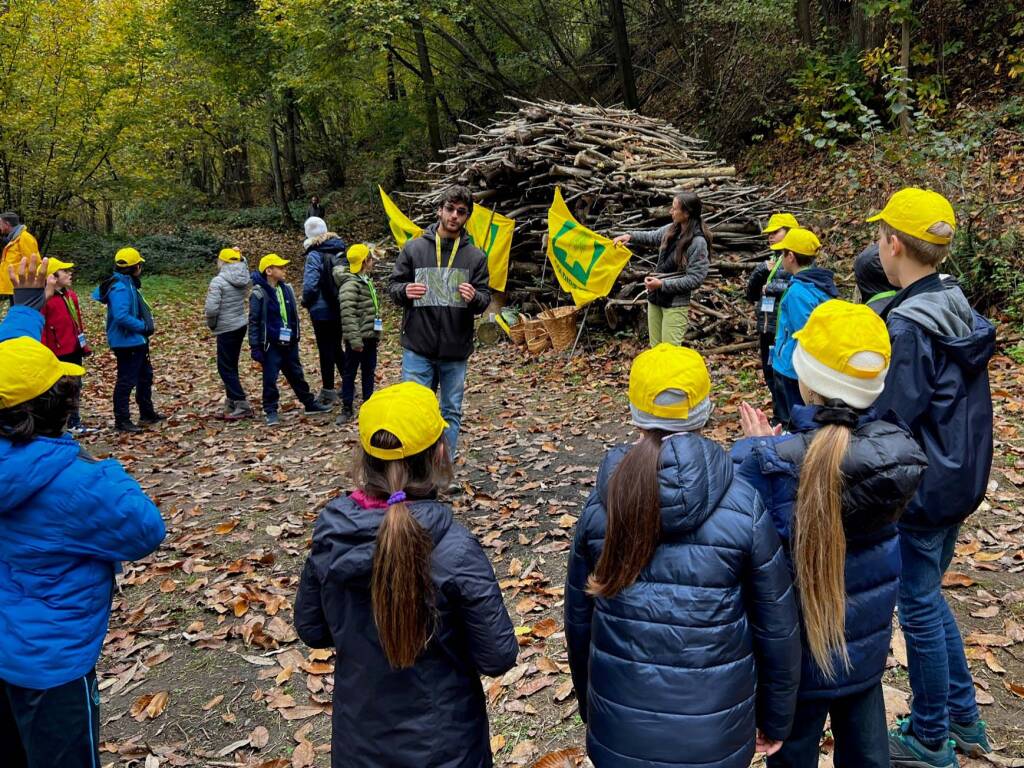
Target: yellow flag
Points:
(585, 263)
(492, 234)
(401, 227)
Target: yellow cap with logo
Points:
(914, 211)
(357, 255)
(271, 260)
(668, 367)
(799, 240)
(28, 369)
(230, 255)
(53, 265)
(409, 411)
(128, 257)
(779, 220)
(843, 352)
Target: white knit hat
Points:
(834, 385)
(315, 226)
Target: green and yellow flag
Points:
(401, 227)
(585, 263)
(492, 234)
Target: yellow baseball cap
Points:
(409, 411)
(271, 260)
(799, 240)
(28, 369)
(914, 211)
(128, 257)
(778, 221)
(843, 352)
(356, 255)
(663, 368)
(52, 265)
(229, 255)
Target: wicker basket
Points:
(517, 332)
(536, 335)
(560, 323)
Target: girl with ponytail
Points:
(407, 598)
(680, 621)
(835, 489)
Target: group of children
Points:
(717, 602)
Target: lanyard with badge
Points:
(768, 302)
(284, 335)
(76, 320)
(455, 247)
(378, 322)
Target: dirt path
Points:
(202, 667)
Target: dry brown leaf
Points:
(562, 692)
(284, 675)
(523, 751)
(993, 663)
(240, 605)
(899, 646)
(988, 640)
(984, 698)
(497, 743)
(896, 702)
(149, 706)
(526, 605)
(259, 738)
(279, 762)
(545, 664)
(168, 585)
(300, 713)
(514, 675)
(213, 702)
(533, 686)
(989, 557)
(563, 758)
(957, 579)
(566, 521)
(303, 756)
(1015, 688)
(988, 612)
(545, 627)
(226, 527)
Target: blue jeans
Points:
(451, 376)
(134, 371)
(858, 725)
(786, 394)
(283, 358)
(939, 676)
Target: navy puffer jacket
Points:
(434, 713)
(882, 469)
(677, 669)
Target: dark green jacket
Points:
(357, 310)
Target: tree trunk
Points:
(429, 87)
(237, 181)
(108, 217)
(392, 80)
(623, 56)
(905, 66)
(293, 159)
(275, 166)
(803, 20)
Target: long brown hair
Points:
(819, 548)
(690, 203)
(634, 518)
(401, 591)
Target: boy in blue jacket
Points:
(66, 522)
(810, 286)
(938, 384)
(129, 326)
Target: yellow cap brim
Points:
(876, 217)
(769, 230)
(777, 247)
(70, 369)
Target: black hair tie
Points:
(837, 412)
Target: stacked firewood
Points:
(618, 171)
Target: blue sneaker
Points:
(907, 751)
(272, 419)
(970, 739)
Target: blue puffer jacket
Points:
(66, 522)
(129, 321)
(319, 293)
(938, 384)
(677, 669)
(882, 469)
(434, 713)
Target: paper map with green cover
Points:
(442, 286)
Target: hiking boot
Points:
(227, 408)
(907, 751)
(151, 419)
(328, 397)
(315, 407)
(273, 419)
(241, 410)
(346, 415)
(127, 426)
(970, 739)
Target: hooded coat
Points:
(439, 333)
(357, 308)
(678, 669)
(265, 313)
(62, 316)
(938, 384)
(20, 245)
(765, 293)
(129, 320)
(674, 291)
(66, 523)
(434, 713)
(882, 469)
(227, 298)
(319, 293)
(808, 288)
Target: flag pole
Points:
(583, 324)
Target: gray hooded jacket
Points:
(227, 301)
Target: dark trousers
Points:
(365, 362)
(75, 417)
(787, 394)
(54, 727)
(283, 358)
(765, 344)
(229, 347)
(328, 347)
(134, 371)
(858, 726)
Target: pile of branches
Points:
(618, 171)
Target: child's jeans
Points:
(786, 394)
(939, 676)
(283, 358)
(858, 726)
(364, 361)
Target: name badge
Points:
(768, 304)
(378, 324)
(285, 335)
(82, 341)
